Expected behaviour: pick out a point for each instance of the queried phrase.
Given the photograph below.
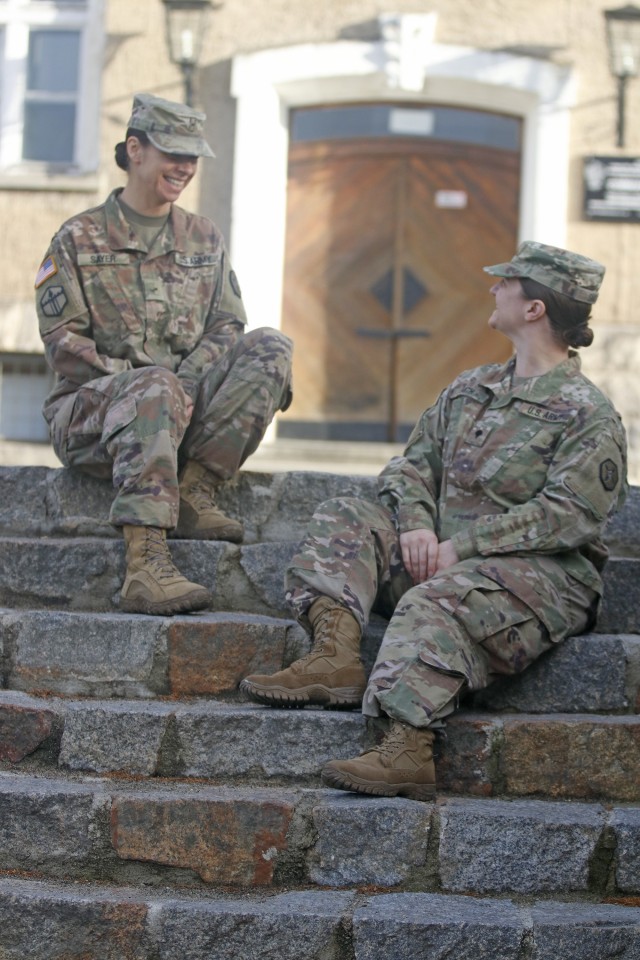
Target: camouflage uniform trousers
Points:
(453, 633)
(132, 426)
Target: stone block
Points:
(67, 924)
(625, 823)
(620, 611)
(578, 756)
(86, 655)
(211, 655)
(411, 925)
(51, 826)
(467, 757)
(264, 565)
(586, 674)
(24, 725)
(497, 846)
(288, 926)
(575, 931)
(72, 574)
(114, 736)
(368, 840)
(23, 500)
(252, 741)
(226, 838)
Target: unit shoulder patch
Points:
(235, 286)
(608, 474)
(53, 301)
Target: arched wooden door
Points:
(384, 293)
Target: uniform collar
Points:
(500, 380)
(121, 236)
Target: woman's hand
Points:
(447, 556)
(419, 553)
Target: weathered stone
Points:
(23, 501)
(620, 611)
(621, 533)
(584, 674)
(39, 921)
(577, 756)
(226, 741)
(497, 846)
(47, 826)
(467, 757)
(123, 737)
(72, 574)
(226, 838)
(24, 725)
(264, 565)
(410, 925)
(212, 655)
(284, 927)
(77, 654)
(574, 931)
(368, 840)
(626, 826)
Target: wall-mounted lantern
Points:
(186, 24)
(623, 38)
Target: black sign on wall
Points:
(612, 188)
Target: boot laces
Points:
(156, 553)
(394, 739)
(201, 493)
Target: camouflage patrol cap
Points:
(171, 127)
(561, 270)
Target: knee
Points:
(269, 345)
(161, 388)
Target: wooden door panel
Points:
(361, 216)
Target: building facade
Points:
(370, 158)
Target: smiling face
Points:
(156, 179)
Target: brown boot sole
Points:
(339, 698)
(198, 600)
(413, 791)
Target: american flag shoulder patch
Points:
(48, 268)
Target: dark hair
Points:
(569, 319)
(122, 157)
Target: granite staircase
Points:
(148, 812)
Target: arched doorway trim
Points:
(268, 83)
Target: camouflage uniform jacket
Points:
(106, 303)
(531, 469)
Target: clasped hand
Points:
(423, 556)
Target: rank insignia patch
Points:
(48, 268)
(608, 475)
(53, 301)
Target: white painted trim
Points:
(267, 84)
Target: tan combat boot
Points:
(199, 517)
(153, 583)
(401, 766)
(330, 675)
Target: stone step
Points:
(86, 573)
(208, 654)
(39, 501)
(576, 756)
(42, 501)
(58, 920)
(197, 836)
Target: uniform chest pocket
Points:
(518, 464)
(191, 302)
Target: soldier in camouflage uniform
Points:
(158, 386)
(484, 547)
